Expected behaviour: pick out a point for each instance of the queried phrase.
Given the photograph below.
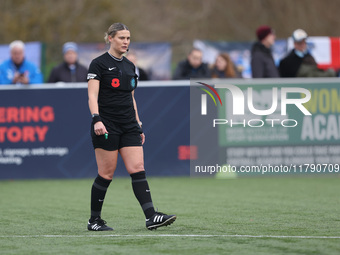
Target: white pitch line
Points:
(174, 235)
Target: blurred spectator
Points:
(69, 70)
(262, 61)
(224, 67)
(299, 62)
(142, 75)
(192, 67)
(17, 70)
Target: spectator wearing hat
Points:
(299, 62)
(262, 61)
(69, 70)
(17, 70)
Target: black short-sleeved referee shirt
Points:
(117, 79)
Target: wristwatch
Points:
(140, 123)
(94, 115)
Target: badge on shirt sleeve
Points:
(91, 76)
(133, 82)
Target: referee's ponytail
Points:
(113, 29)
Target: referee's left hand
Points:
(143, 138)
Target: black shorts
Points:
(120, 135)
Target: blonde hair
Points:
(113, 29)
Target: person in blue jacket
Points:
(17, 70)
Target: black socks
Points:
(140, 188)
(142, 192)
(98, 192)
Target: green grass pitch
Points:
(290, 215)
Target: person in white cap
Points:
(17, 70)
(69, 70)
(299, 62)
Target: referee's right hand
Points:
(99, 128)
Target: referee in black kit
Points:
(116, 127)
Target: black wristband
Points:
(96, 118)
(140, 129)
